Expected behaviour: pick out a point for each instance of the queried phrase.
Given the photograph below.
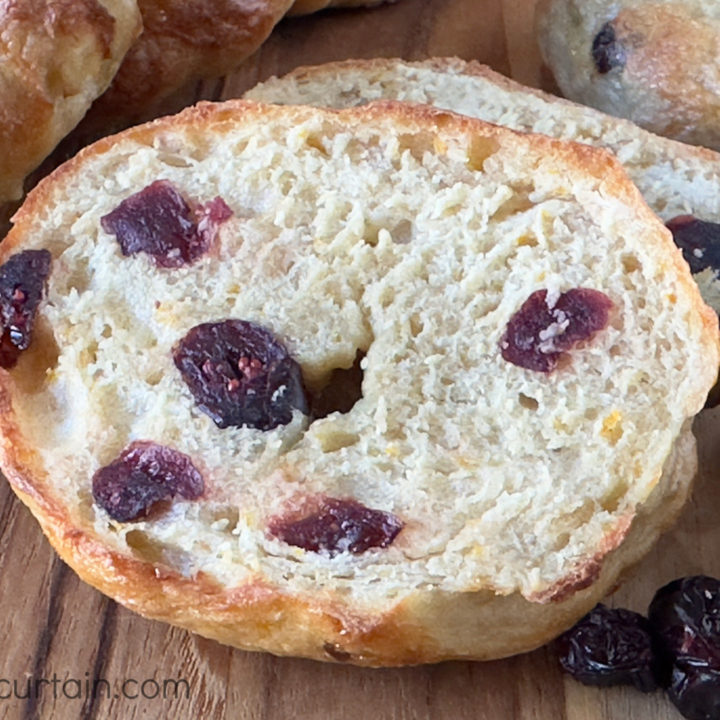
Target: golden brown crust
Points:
(182, 41)
(56, 56)
(425, 626)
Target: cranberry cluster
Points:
(677, 647)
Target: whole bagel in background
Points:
(184, 41)
(56, 57)
(655, 63)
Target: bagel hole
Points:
(342, 391)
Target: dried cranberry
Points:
(607, 51)
(240, 374)
(538, 333)
(609, 647)
(158, 221)
(144, 473)
(685, 617)
(699, 241)
(22, 281)
(339, 526)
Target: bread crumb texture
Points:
(404, 236)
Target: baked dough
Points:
(56, 57)
(675, 179)
(656, 63)
(409, 236)
(184, 41)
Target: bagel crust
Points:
(408, 237)
(56, 57)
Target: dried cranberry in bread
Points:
(652, 61)
(463, 505)
(56, 57)
(676, 180)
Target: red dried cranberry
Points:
(607, 51)
(22, 281)
(609, 647)
(158, 221)
(685, 617)
(538, 334)
(240, 374)
(144, 474)
(339, 526)
(699, 241)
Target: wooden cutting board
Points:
(64, 638)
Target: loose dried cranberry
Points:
(607, 51)
(144, 474)
(538, 334)
(685, 617)
(339, 526)
(158, 221)
(22, 281)
(240, 374)
(609, 647)
(699, 241)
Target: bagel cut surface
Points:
(303, 383)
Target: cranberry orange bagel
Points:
(652, 61)
(676, 180)
(386, 385)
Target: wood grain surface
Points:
(61, 638)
